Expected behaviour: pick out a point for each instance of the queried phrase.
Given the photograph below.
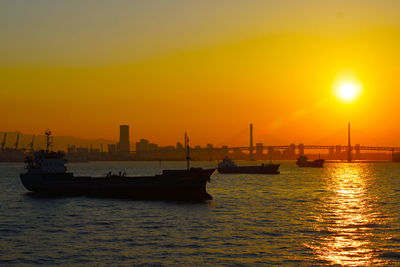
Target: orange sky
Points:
(166, 67)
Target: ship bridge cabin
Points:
(46, 162)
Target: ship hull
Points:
(266, 169)
(319, 163)
(171, 185)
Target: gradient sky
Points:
(210, 68)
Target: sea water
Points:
(342, 214)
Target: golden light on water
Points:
(348, 218)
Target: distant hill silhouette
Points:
(59, 142)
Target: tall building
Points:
(144, 146)
(123, 144)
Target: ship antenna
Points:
(48, 142)
(187, 152)
(32, 143)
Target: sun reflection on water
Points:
(348, 218)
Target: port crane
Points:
(3, 144)
(16, 143)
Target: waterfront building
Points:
(111, 148)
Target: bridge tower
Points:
(251, 142)
(349, 146)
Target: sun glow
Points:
(348, 92)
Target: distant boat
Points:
(302, 161)
(396, 157)
(229, 166)
(47, 174)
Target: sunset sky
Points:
(82, 68)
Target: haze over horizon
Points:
(208, 68)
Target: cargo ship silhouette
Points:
(229, 166)
(303, 161)
(47, 174)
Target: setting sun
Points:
(348, 92)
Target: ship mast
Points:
(32, 143)
(187, 152)
(48, 142)
(3, 144)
